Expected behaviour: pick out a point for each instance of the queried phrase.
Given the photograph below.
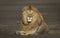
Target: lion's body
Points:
(32, 22)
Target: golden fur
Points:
(35, 23)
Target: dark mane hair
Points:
(30, 7)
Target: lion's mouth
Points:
(29, 19)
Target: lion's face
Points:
(27, 16)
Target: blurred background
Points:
(10, 14)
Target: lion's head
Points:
(29, 13)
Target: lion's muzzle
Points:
(29, 19)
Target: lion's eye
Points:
(29, 13)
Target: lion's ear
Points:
(23, 9)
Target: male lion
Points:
(32, 22)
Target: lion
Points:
(32, 22)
